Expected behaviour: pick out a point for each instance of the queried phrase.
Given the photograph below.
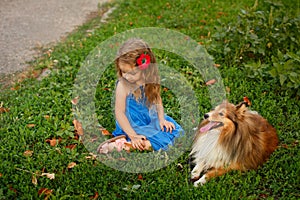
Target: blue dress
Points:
(145, 122)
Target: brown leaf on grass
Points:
(78, 127)
(71, 165)
(105, 132)
(3, 110)
(35, 73)
(203, 21)
(71, 146)
(49, 175)
(217, 65)
(263, 196)
(75, 101)
(91, 156)
(96, 196)
(179, 166)
(284, 146)
(13, 189)
(247, 101)
(220, 14)
(228, 89)
(295, 143)
(34, 180)
(45, 191)
(140, 177)
(94, 138)
(30, 125)
(122, 159)
(1, 174)
(47, 117)
(15, 88)
(76, 137)
(211, 82)
(165, 89)
(28, 153)
(53, 142)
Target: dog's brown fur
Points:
(240, 140)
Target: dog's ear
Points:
(241, 105)
(241, 108)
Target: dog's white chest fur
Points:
(207, 152)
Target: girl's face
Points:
(131, 74)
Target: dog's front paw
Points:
(195, 176)
(201, 181)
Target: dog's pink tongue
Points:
(207, 127)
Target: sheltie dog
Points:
(231, 138)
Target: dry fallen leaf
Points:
(3, 110)
(15, 88)
(140, 177)
(217, 65)
(30, 125)
(228, 89)
(96, 196)
(49, 175)
(94, 138)
(28, 153)
(45, 191)
(179, 166)
(75, 101)
(71, 165)
(211, 82)
(105, 132)
(247, 101)
(203, 21)
(13, 189)
(76, 137)
(91, 156)
(78, 127)
(34, 180)
(46, 116)
(71, 146)
(53, 142)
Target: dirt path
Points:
(26, 24)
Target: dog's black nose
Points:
(206, 116)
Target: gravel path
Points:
(27, 24)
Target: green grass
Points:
(47, 105)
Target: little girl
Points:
(140, 119)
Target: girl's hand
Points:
(138, 142)
(169, 126)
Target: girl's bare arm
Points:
(161, 116)
(120, 108)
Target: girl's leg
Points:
(119, 144)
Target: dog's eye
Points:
(221, 114)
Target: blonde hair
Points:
(128, 53)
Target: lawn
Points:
(256, 53)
